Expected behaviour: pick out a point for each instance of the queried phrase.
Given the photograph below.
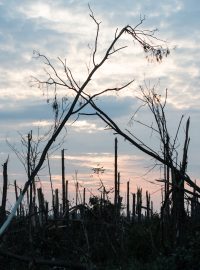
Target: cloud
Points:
(84, 126)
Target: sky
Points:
(64, 29)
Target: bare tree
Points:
(169, 152)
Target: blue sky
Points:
(64, 28)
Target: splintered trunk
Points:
(104, 195)
(133, 207)
(27, 198)
(46, 205)
(63, 181)
(56, 204)
(118, 195)
(67, 201)
(31, 200)
(4, 194)
(139, 204)
(178, 210)
(29, 173)
(21, 208)
(128, 205)
(41, 206)
(166, 210)
(16, 196)
(194, 206)
(166, 178)
(84, 196)
(101, 205)
(167, 191)
(116, 174)
(148, 205)
(151, 208)
(50, 178)
(77, 188)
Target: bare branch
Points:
(97, 34)
(117, 89)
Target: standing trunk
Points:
(178, 210)
(29, 173)
(118, 196)
(5, 188)
(63, 181)
(127, 208)
(41, 206)
(133, 208)
(139, 204)
(148, 204)
(16, 195)
(77, 189)
(67, 201)
(116, 174)
(56, 205)
(84, 196)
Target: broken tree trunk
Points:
(133, 207)
(41, 206)
(63, 181)
(29, 173)
(56, 205)
(148, 205)
(139, 204)
(83, 196)
(178, 209)
(116, 174)
(118, 195)
(127, 206)
(4, 194)
(16, 196)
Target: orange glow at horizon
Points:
(129, 167)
